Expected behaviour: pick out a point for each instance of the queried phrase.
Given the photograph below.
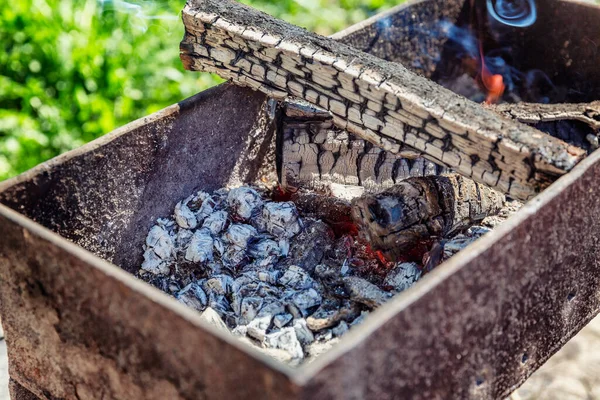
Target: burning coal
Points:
(489, 75)
(480, 60)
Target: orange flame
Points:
(493, 83)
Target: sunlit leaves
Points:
(72, 70)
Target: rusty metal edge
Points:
(156, 295)
(378, 318)
(167, 112)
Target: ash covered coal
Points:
(289, 277)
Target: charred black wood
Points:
(422, 208)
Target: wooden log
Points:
(561, 118)
(532, 113)
(422, 208)
(313, 153)
(378, 101)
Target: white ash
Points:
(403, 276)
(243, 201)
(184, 217)
(251, 262)
(281, 282)
(159, 248)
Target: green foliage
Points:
(72, 70)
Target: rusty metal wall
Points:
(78, 327)
(105, 196)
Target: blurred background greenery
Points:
(72, 70)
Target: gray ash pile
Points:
(280, 275)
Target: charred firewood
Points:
(423, 208)
(577, 124)
(381, 102)
(531, 113)
(312, 153)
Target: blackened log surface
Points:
(379, 101)
(418, 209)
(314, 153)
(577, 124)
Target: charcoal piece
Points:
(284, 339)
(324, 336)
(309, 247)
(194, 202)
(200, 248)
(303, 300)
(183, 238)
(270, 276)
(418, 209)
(304, 335)
(219, 303)
(403, 276)
(193, 296)
(317, 348)
(215, 222)
(459, 242)
(249, 309)
(296, 278)
(214, 268)
(233, 257)
(284, 247)
(330, 313)
(360, 319)
(184, 217)
(271, 306)
(340, 329)
(257, 328)
(327, 208)
(281, 219)
(218, 284)
(213, 318)
(278, 354)
(282, 320)
(161, 242)
(266, 290)
(364, 292)
(243, 202)
(328, 273)
(240, 331)
(238, 235)
(205, 210)
(262, 248)
(154, 264)
(219, 246)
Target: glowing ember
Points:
(493, 83)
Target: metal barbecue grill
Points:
(80, 326)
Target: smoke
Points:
(531, 85)
(140, 12)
